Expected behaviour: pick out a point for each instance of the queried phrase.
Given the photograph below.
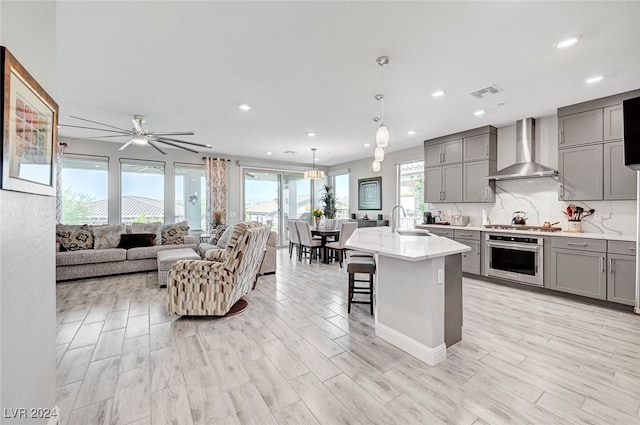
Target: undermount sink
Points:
(413, 232)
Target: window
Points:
(411, 188)
(341, 189)
(191, 202)
(142, 191)
(85, 190)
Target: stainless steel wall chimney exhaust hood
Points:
(525, 166)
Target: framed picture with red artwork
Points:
(29, 131)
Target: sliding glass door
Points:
(272, 197)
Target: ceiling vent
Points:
(485, 91)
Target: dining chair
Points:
(294, 238)
(306, 241)
(346, 230)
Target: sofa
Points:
(97, 261)
(220, 238)
(212, 288)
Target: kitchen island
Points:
(418, 289)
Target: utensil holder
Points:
(574, 226)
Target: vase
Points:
(317, 221)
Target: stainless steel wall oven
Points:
(516, 258)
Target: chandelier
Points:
(313, 174)
(382, 135)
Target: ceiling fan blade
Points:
(184, 141)
(104, 136)
(123, 147)
(124, 132)
(99, 123)
(156, 147)
(175, 145)
(137, 126)
(176, 133)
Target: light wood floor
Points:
(296, 357)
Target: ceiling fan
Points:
(139, 135)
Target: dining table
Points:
(325, 232)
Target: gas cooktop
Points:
(522, 227)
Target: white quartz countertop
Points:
(607, 236)
(380, 240)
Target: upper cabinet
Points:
(443, 153)
(457, 166)
(580, 129)
(591, 152)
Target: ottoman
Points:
(167, 258)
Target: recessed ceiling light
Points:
(478, 113)
(269, 153)
(593, 79)
(438, 93)
(569, 41)
(244, 107)
(366, 145)
(411, 132)
(311, 134)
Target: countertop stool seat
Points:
(360, 265)
(166, 260)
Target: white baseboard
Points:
(431, 356)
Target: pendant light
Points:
(375, 166)
(378, 154)
(313, 174)
(382, 135)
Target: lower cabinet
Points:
(471, 259)
(579, 272)
(621, 278)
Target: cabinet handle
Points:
(466, 234)
(443, 157)
(632, 248)
(486, 151)
(602, 264)
(611, 265)
(576, 244)
(561, 138)
(444, 195)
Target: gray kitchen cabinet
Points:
(621, 281)
(441, 230)
(613, 125)
(443, 153)
(476, 187)
(581, 128)
(433, 184)
(580, 173)
(619, 181)
(578, 272)
(443, 184)
(478, 148)
(452, 183)
(432, 155)
(471, 259)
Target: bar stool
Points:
(363, 265)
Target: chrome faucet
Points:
(393, 216)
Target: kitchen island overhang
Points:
(418, 290)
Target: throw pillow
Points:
(155, 228)
(173, 234)
(108, 236)
(216, 233)
(136, 240)
(75, 240)
(224, 239)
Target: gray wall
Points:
(27, 238)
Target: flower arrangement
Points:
(317, 213)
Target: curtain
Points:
(60, 147)
(216, 176)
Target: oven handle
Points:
(517, 246)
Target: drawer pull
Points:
(631, 248)
(576, 244)
(466, 234)
(602, 263)
(611, 265)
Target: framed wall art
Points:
(29, 131)
(370, 193)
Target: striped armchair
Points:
(211, 288)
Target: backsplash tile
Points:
(539, 199)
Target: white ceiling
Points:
(310, 66)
